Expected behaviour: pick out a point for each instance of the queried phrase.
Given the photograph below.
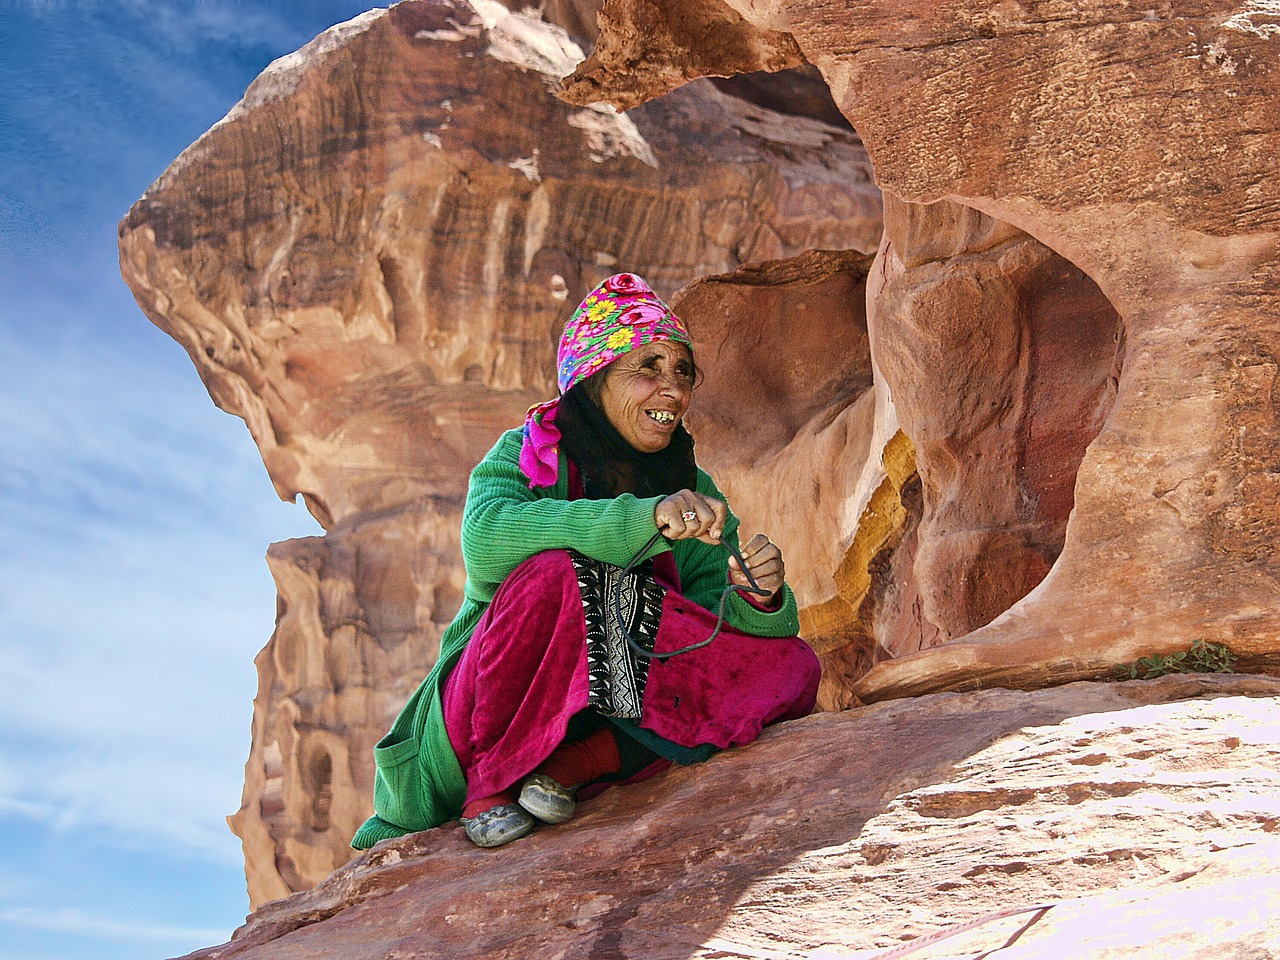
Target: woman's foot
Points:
(497, 825)
(547, 799)
(544, 792)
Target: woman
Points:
(594, 556)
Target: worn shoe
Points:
(547, 799)
(498, 825)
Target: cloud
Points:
(136, 591)
(133, 588)
(69, 920)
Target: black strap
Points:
(640, 651)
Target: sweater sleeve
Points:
(505, 522)
(704, 574)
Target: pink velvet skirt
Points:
(525, 673)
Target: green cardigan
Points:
(418, 783)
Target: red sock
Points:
(477, 807)
(573, 764)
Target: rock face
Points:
(1034, 437)
(1121, 820)
(369, 260)
(1139, 145)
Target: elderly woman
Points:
(596, 551)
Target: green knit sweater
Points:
(418, 783)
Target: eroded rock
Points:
(1137, 144)
(369, 260)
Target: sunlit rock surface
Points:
(369, 260)
(1134, 820)
(1138, 145)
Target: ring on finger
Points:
(689, 516)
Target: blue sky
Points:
(134, 592)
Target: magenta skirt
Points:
(524, 674)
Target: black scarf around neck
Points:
(609, 465)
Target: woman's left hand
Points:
(764, 560)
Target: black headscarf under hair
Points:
(609, 465)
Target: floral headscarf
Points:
(618, 316)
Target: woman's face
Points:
(647, 391)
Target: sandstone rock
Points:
(975, 514)
(1046, 445)
(1143, 814)
(369, 261)
(666, 45)
(1138, 144)
(1003, 360)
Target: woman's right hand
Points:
(688, 514)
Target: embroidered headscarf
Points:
(618, 316)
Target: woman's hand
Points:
(764, 560)
(687, 514)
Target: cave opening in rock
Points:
(1003, 359)
(318, 780)
(998, 361)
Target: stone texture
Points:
(666, 45)
(1137, 144)
(1144, 814)
(999, 436)
(1046, 445)
(787, 361)
(369, 261)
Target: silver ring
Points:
(689, 515)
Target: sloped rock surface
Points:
(1144, 814)
(1138, 143)
(369, 261)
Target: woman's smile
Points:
(646, 393)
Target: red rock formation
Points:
(999, 436)
(785, 353)
(864, 829)
(1046, 445)
(1139, 145)
(369, 260)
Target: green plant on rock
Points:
(1203, 657)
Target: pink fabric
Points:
(540, 451)
(622, 313)
(508, 701)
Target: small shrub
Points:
(1203, 657)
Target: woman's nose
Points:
(674, 385)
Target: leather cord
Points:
(724, 596)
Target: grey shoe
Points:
(498, 825)
(547, 799)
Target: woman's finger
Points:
(763, 559)
(753, 546)
(720, 510)
(710, 517)
(687, 514)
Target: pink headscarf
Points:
(618, 316)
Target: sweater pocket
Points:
(398, 783)
(417, 782)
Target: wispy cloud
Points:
(136, 594)
(133, 589)
(68, 920)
